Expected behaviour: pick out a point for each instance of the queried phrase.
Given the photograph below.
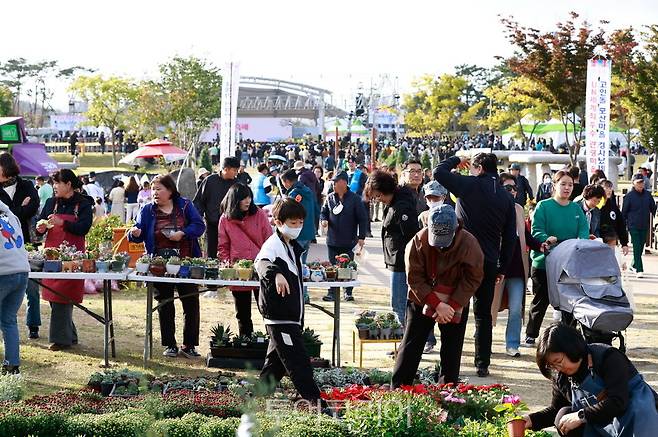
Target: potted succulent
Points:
(362, 322)
(373, 330)
(102, 264)
(344, 273)
(227, 273)
(157, 266)
(198, 268)
(142, 265)
(220, 335)
(95, 381)
(316, 272)
(312, 342)
(118, 262)
(184, 271)
(36, 260)
(212, 268)
(67, 262)
(354, 273)
(244, 269)
(173, 266)
(259, 339)
(385, 329)
(396, 329)
(89, 262)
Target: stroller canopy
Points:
(584, 279)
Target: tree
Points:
(6, 101)
(517, 99)
(193, 93)
(435, 106)
(108, 102)
(557, 60)
(644, 89)
(17, 71)
(426, 160)
(205, 159)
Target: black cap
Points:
(92, 174)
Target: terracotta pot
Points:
(157, 269)
(88, 266)
(67, 267)
(331, 275)
(516, 428)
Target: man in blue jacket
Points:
(488, 212)
(637, 209)
(345, 220)
(302, 194)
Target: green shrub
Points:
(128, 423)
(186, 426)
(216, 427)
(11, 387)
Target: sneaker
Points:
(482, 372)
(189, 352)
(328, 298)
(171, 352)
(34, 332)
(529, 342)
(639, 275)
(513, 352)
(348, 297)
(10, 370)
(210, 294)
(428, 348)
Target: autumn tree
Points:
(108, 102)
(6, 101)
(557, 60)
(644, 89)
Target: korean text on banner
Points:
(230, 89)
(597, 114)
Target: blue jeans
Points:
(33, 316)
(12, 291)
(399, 290)
(515, 289)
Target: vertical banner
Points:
(597, 114)
(230, 90)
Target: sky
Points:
(338, 45)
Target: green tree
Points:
(426, 160)
(435, 106)
(17, 71)
(6, 101)
(644, 91)
(515, 100)
(557, 60)
(205, 159)
(108, 102)
(193, 93)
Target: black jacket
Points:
(271, 260)
(67, 206)
(637, 209)
(209, 196)
(24, 189)
(399, 226)
(524, 190)
(612, 220)
(488, 211)
(342, 231)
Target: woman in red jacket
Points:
(243, 228)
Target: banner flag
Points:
(597, 115)
(230, 90)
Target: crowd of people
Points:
(449, 238)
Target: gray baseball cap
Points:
(441, 225)
(433, 188)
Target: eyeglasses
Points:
(414, 171)
(510, 187)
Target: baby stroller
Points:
(584, 280)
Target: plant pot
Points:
(117, 266)
(385, 333)
(197, 272)
(330, 274)
(398, 333)
(228, 274)
(184, 272)
(355, 275)
(106, 388)
(52, 266)
(317, 275)
(373, 333)
(244, 274)
(142, 268)
(157, 269)
(363, 333)
(77, 265)
(101, 266)
(212, 272)
(344, 274)
(67, 266)
(88, 266)
(306, 272)
(313, 349)
(36, 265)
(172, 269)
(516, 428)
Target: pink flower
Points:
(511, 399)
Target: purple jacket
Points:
(308, 178)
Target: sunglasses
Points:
(510, 187)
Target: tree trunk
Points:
(114, 147)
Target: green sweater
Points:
(562, 222)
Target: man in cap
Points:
(444, 265)
(435, 194)
(345, 221)
(637, 209)
(201, 174)
(524, 191)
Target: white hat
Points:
(298, 165)
(201, 172)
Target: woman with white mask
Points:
(545, 189)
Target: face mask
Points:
(338, 209)
(289, 232)
(435, 204)
(547, 181)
